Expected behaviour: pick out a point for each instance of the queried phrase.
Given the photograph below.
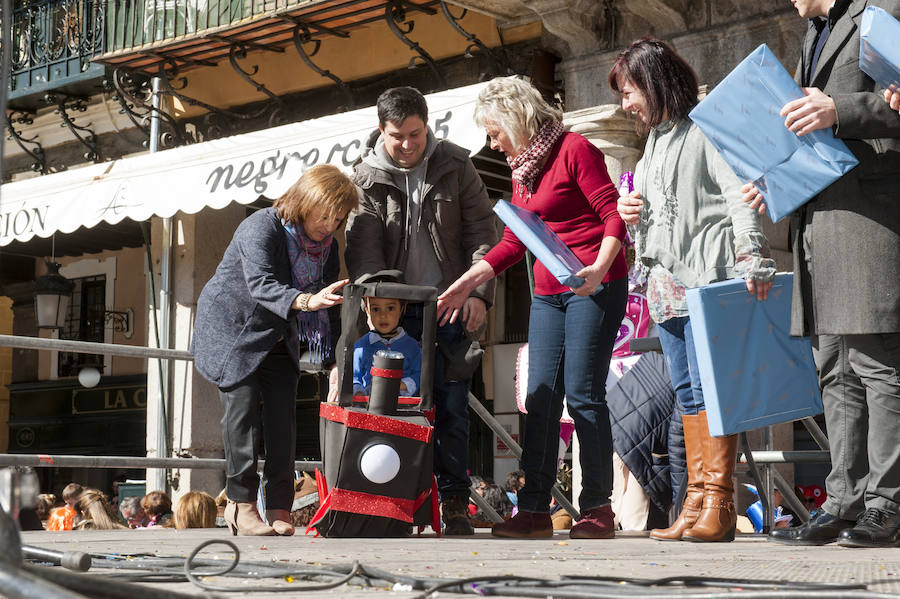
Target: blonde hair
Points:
(195, 509)
(517, 107)
(322, 186)
(95, 511)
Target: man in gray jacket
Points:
(846, 246)
(425, 211)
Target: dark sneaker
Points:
(875, 528)
(598, 523)
(455, 514)
(821, 530)
(525, 525)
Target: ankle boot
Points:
(243, 519)
(693, 497)
(525, 525)
(455, 514)
(280, 521)
(718, 518)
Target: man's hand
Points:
(892, 98)
(334, 384)
(753, 197)
(629, 208)
(812, 112)
(473, 314)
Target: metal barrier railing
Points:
(90, 461)
(765, 458)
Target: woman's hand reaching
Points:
(325, 298)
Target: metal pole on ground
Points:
(495, 426)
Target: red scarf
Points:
(527, 165)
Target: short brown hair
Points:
(195, 509)
(72, 491)
(323, 185)
(156, 503)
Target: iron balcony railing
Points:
(135, 23)
(53, 42)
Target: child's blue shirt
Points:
(364, 351)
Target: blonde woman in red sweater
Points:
(561, 177)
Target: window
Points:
(85, 322)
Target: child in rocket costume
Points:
(378, 474)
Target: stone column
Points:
(607, 127)
(193, 410)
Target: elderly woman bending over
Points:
(562, 178)
(267, 302)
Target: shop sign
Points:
(100, 400)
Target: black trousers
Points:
(274, 386)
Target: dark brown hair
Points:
(665, 80)
(321, 186)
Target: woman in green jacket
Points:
(691, 228)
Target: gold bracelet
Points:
(304, 301)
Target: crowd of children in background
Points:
(80, 508)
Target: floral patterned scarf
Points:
(527, 165)
(308, 260)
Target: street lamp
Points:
(52, 293)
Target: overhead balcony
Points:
(54, 43)
(149, 35)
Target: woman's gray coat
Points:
(245, 308)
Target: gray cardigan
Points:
(693, 215)
(245, 308)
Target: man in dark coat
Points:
(425, 211)
(846, 246)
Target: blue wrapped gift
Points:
(542, 242)
(753, 372)
(741, 118)
(879, 47)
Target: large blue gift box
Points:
(753, 372)
(741, 118)
(879, 47)
(542, 242)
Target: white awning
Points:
(214, 173)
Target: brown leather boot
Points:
(243, 519)
(280, 520)
(718, 517)
(693, 496)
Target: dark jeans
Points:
(451, 410)
(681, 360)
(860, 380)
(570, 342)
(274, 385)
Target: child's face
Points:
(384, 314)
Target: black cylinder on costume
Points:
(387, 370)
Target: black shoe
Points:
(875, 528)
(821, 530)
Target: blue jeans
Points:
(681, 360)
(570, 342)
(451, 411)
